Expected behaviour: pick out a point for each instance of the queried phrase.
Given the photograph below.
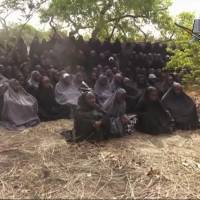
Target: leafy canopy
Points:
(107, 18)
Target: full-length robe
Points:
(67, 94)
(116, 110)
(152, 117)
(85, 118)
(49, 109)
(19, 109)
(182, 108)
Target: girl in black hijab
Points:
(90, 122)
(152, 117)
(132, 96)
(49, 109)
(181, 107)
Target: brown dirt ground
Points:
(39, 163)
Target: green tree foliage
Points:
(26, 9)
(186, 53)
(108, 18)
(28, 33)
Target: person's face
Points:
(95, 69)
(43, 41)
(102, 56)
(80, 54)
(94, 76)
(163, 76)
(111, 61)
(46, 83)
(8, 69)
(15, 85)
(92, 53)
(38, 67)
(158, 71)
(36, 39)
(103, 81)
(115, 70)
(56, 76)
(79, 78)
(43, 71)
(152, 80)
(118, 79)
(37, 77)
(141, 80)
(170, 80)
(178, 90)
(67, 80)
(36, 57)
(143, 70)
(90, 99)
(26, 70)
(109, 73)
(99, 67)
(50, 73)
(78, 68)
(126, 81)
(137, 70)
(153, 95)
(21, 79)
(51, 52)
(68, 69)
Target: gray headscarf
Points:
(3, 79)
(102, 91)
(33, 82)
(3, 84)
(114, 108)
(66, 94)
(19, 108)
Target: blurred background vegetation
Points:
(132, 20)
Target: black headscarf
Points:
(152, 117)
(182, 108)
(85, 118)
(83, 105)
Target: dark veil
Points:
(152, 117)
(182, 108)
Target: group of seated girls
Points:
(39, 101)
(175, 110)
(105, 111)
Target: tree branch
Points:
(105, 8)
(77, 26)
(126, 16)
(138, 27)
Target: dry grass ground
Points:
(39, 163)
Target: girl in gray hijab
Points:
(33, 83)
(102, 89)
(34, 80)
(116, 82)
(115, 107)
(67, 93)
(19, 108)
